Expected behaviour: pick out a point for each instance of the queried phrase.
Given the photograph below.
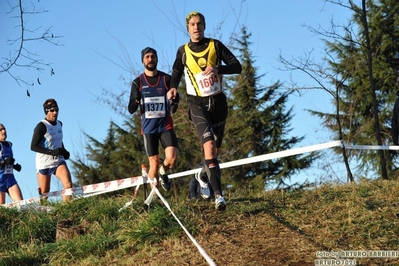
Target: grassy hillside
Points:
(271, 228)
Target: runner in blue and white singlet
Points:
(50, 151)
(50, 140)
(8, 183)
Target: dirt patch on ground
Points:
(250, 240)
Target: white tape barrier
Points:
(266, 157)
(19, 204)
(200, 249)
(89, 189)
(109, 186)
(371, 147)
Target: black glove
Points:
(66, 154)
(9, 161)
(173, 107)
(57, 152)
(174, 104)
(17, 167)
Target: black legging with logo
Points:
(208, 115)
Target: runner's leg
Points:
(63, 174)
(15, 193)
(44, 183)
(2, 197)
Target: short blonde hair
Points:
(194, 14)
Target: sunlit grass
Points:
(346, 217)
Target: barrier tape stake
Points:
(127, 204)
(150, 196)
(39, 190)
(145, 186)
(144, 173)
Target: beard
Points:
(151, 68)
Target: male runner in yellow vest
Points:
(201, 62)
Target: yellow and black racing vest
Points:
(195, 63)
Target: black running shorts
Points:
(209, 115)
(151, 141)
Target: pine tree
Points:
(258, 123)
(119, 156)
(366, 58)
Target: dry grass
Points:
(271, 228)
(287, 228)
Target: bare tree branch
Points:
(22, 57)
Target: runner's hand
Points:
(211, 70)
(57, 152)
(17, 167)
(66, 154)
(174, 104)
(172, 93)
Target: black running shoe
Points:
(165, 182)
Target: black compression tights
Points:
(214, 178)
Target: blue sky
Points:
(94, 32)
